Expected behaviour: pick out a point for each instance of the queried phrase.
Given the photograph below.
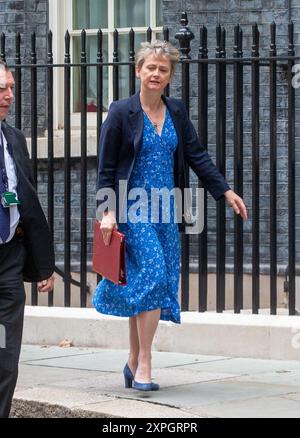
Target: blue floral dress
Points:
(152, 247)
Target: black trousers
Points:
(12, 302)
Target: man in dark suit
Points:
(26, 248)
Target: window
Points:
(91, 15)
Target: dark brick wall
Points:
(244, 12)
(32, 15)
(75, 206)
(27, 16)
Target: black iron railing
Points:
(221, 62)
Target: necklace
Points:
(156, 124)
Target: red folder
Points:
(110, 261)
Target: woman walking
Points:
(146, 140)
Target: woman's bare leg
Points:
(133, 345)
(147, 323)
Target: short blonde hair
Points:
(160, 49)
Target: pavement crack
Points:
(144, 400)
(56, 357)
(197, 363)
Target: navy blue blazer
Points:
(121, 138)
(39, 264)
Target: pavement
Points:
(88, 382)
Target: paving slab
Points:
(31, 375)
(206, 393)
(177, 376)
(266, 407)
(106, 382)
(278, 377)
(137, 409)
(103, 360)
(73, 381)
(40, 352)
(246, 366)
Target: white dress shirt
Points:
(12, 187)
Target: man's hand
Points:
(46, 285)
(236, 203)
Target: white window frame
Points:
(60, 19)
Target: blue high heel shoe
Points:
(128, 376)
(145, 386)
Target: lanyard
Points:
(2, 163)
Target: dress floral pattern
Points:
(152, 247)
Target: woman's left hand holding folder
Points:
(108, 223)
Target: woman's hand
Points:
(236, 203)
(108, 223)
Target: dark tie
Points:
(4, 212)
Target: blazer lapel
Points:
(176, 118)
(15, 151)
(136, 121)
(7, 136)
(11, 146)
(181, 178)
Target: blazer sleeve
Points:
(109, 147)
(199, 160)
(40, 258)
